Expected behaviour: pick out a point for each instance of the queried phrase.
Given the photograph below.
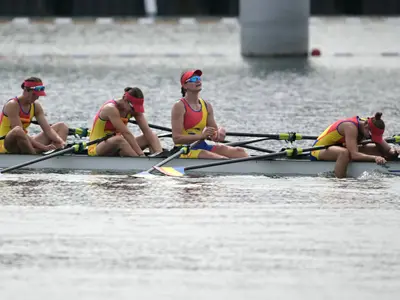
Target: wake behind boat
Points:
(130, 165)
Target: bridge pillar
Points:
(274, 27)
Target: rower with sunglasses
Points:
(192, 119)
(113, 116)
(16, 116)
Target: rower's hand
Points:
(219, 136)
(380, 160)
(59, 145)
(49, 148)
(208, 132)
(394, 151)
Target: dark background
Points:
(135, 8)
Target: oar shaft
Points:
(153, 126)
(82, 132)
(57, 153)
(170, 130)
(258, 149)
(37, 160)
(243, 143)
(280, 136)
(287, 152)
(181, 151)
(395, 139)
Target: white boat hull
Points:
(280, 167)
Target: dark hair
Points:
(134, 91)
(378, 122)
(31, 79)
(183, 90)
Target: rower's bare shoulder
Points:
(349, 128)
(10, 107)
(208, 105)
(178, 106)
(109, 109)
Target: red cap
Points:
(376, 133)
(189, 74)
(33, 84)
(137, 103)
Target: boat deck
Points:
(277, 167)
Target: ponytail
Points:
(378, 122)
(183, 92)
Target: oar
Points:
(153, 126)
(254, 147)
(163, 162)
(242, 143)
(170, 130)
(394, 139)
(84, 132)
(74, 148)
(180, 171)
(80, 131)
(290, 136)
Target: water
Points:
(97, 236)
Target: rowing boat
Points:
(276, 167)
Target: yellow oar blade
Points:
(171, 171)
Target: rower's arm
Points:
(351, 134)
(386, 149)
(146, 130)
(11, 110)
(177, 119)
(210, 119)
(112, 113)
(47, 129)
(212, 123)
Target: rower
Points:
(113, 116)
(192, 119)
(17, 115)
(346, 134)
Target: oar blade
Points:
(172, 171)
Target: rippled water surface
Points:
(98, 236)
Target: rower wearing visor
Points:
(16, 116)
(113, 116)
(192, 119)
(346, 134)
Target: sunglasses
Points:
(39, 88)
(194, 79)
